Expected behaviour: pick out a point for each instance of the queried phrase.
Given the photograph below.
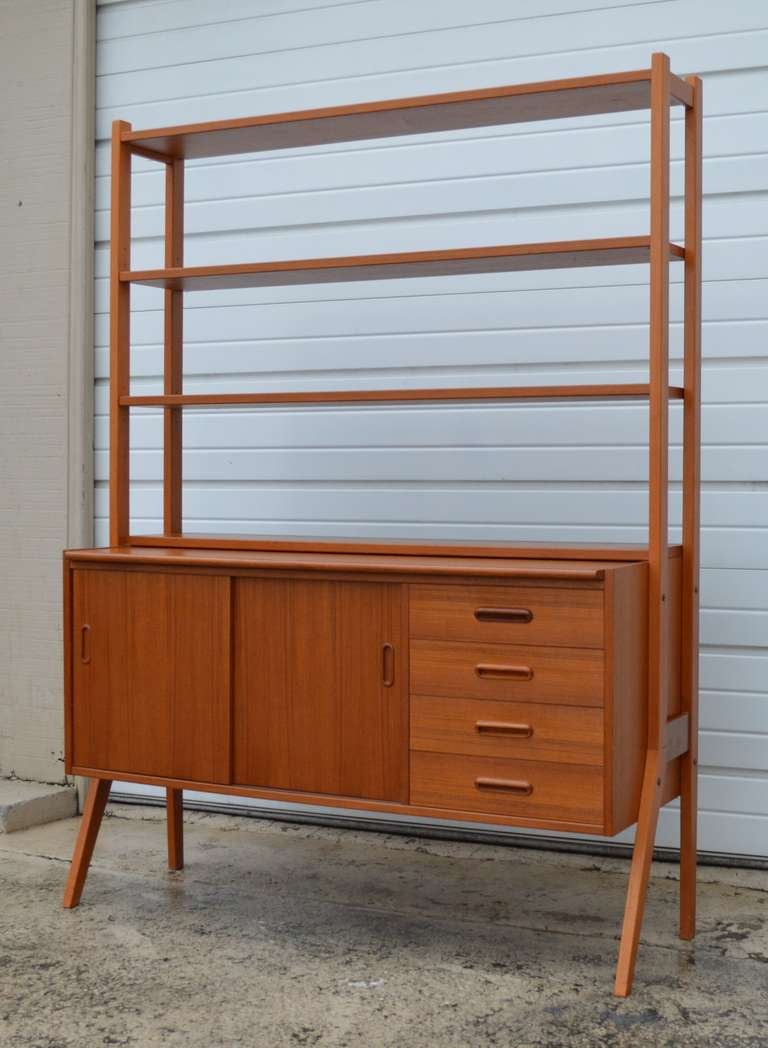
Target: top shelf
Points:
(452, 111)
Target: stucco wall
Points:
(44, 353)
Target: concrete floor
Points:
(280, 935)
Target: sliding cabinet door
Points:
(320, 687)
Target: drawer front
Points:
(508, 615)
(500, 786)
(519, 730)
(564, 676)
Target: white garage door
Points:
(575, 472)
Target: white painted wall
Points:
(534, 471)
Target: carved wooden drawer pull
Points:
(490, 671)
(511, 785)
(503, 615)
(523, 731)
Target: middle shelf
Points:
(340, 396)
(505, 258)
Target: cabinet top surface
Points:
(320, 561)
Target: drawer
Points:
(520, 730)
(563, 676)
(508, 615)
(502, 786)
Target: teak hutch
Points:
(549, 686)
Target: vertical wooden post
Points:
(119, 337)
(173, 343)
(658, 610)
(658, 539)
(691, 483)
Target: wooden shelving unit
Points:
(643, 600)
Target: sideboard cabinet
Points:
(545, 686)
(464, 688)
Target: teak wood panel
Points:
(449, 111)
(584, 391)
(626, 688)
(511, 558)
(522, 730)
(497, 258)
(511, 614)
(150, 673)
(320, 687)
(563, 676)
(536, 789)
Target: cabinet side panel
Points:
(671, 788)
(68, 639)
(627, 689)
(675, 635)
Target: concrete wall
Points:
(46, 73)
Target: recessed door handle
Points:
(523, 731)
(510, 785)
(503, 615)
(388, 665)
(491, 671)
(85, 645)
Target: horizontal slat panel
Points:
(620, 507)
(416, 425)
(745, 463)
(192, 34)
(521, 44)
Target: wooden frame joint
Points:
(677, 737)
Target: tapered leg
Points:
(95, 802)
(175, 811)
(688, 806)
(650, 801)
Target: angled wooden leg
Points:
(650, 801)
(688, 807)
(95, 802)
(175, 810)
